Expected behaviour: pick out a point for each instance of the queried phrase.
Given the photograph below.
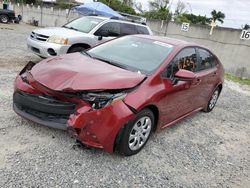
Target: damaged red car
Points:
(115, 95)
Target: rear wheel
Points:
(212, 102)
(4, 19)
(136, 133)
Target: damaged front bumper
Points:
(93, 127)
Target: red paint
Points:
(99, 128)
(74, 72)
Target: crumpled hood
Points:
(77, 72)
(59, 31)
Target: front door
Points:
(182, 97)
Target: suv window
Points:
(142, 30)
(128, 29)
(207, 60)
(112, 28)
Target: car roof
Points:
(172, 41)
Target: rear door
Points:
(207, 73)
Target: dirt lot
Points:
(206, 150)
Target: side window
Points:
(207, 60)
(113, 29)
(142, 30)
(186, 59)
(128, 29)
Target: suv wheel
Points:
(76, 49)
(4, 19)
(136, 133)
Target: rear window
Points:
(207, 60)
(128, 29)
(142, 30)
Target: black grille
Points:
(44, 107)
(37, 36)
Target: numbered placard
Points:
(185, 27)
(245, 35)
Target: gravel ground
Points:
(205, 150)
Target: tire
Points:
(76, 49)
(212, 101)
(4, 19)
(128, 143)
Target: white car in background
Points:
(81, 34)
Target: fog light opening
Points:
(52, 52)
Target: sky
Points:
(237, 11)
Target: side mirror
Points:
(184, 75)
(103, 33)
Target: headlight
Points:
(57, 40)
(100, 100)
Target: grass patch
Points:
(237, 79)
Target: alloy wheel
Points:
(140, 133)
(213, 99)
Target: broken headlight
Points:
(102, 99)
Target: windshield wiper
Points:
(86, 53)
(70, 28)
(112, 63)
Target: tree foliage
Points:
(246, 27)
(158, 10)
(180, 8)
(191, 18)
(119, 6)
(161, 14)
(218, 16)
(158, 4)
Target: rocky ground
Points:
(205, 150)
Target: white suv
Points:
(81, 34)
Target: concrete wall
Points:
(46, 17)
(233, 52)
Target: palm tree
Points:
(218, 16)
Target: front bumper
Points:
(95, 128)
(41, 48)
(43, 110)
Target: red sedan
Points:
(115, 95)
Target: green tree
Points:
(191, 18)
(218, 16)
(161, 14)
(158, 10)
(119, 6)
(158, 4)
(246, 27)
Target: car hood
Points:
(59, 31)
(77, 72)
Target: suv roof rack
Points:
(129, 20)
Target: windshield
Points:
(83, 24)
(133, 53)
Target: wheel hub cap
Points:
(140, 133)
(214, 99)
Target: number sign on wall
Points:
(185, 27)
(245, 35)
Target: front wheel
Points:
(76, 49)
(212, 101)
(4, 19)
(136, 133)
